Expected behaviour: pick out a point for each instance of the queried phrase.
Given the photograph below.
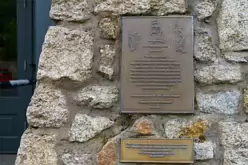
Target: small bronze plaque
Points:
(157, 74)
(157, 150)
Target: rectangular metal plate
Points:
(157, 150)
(157, 74)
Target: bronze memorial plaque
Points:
(157, 65)
(157, 150)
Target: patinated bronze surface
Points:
(157, 65)
(156, 150)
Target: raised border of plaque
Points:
(157, 66)
(156, 151)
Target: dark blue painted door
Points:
(41, 22)
(16, 49)
(22, 30)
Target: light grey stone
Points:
(73, 10)
(233, 25)
(241, 57)
(219, 73)
(107, 57)
(47, 107)
(234, 139)
(204, 49)
(173, 127)
(236, 157)
(85, 127)
(160, 7)
(109, 27)
(164, 7)
(36, 150)
(66, 54)
(107, 53)
(204, 151)
(234, 135)
(205, 10)
(108, 72)
(76, 159)
(120, 7)
(226, 102)
(99, 97)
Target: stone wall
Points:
(74, 114)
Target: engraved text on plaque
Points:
(157, 150)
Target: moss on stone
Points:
(196, 131)
(246, 100)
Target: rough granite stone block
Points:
(72, 10)
(37, 150)
(233, 25)
(204, 50)
(205, 10)
(99, 97)
(159, 7)
(219, 73)
(85, 127)
(107, 58)
(204, 151)
(66, 54)
(77, 159)
(225, 102)
(47, 107)
(234, 135)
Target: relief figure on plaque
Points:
(156, 28)
(133, 41)
(179, 39)
(156, 42)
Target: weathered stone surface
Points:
(106, 71)
(109, 28)
(108, 155)
(235, 142)
(120, 7)
(236, 157)
(226, 102)
(173, 128)
(76, 159)
(233, 25)
(219, 73)
(144, 126)
(47, 107)
(205, 10)
(204, 151)
(107, 53)
(85, 127)
(66, 54)
(241, 57)
(99, 97)
(36, 150)
(163, 7)
(234, 135)
(245, 100)
(107, 58)
(204, 48)
(159, 7)
(73, 10)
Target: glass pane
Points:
(8, 45)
